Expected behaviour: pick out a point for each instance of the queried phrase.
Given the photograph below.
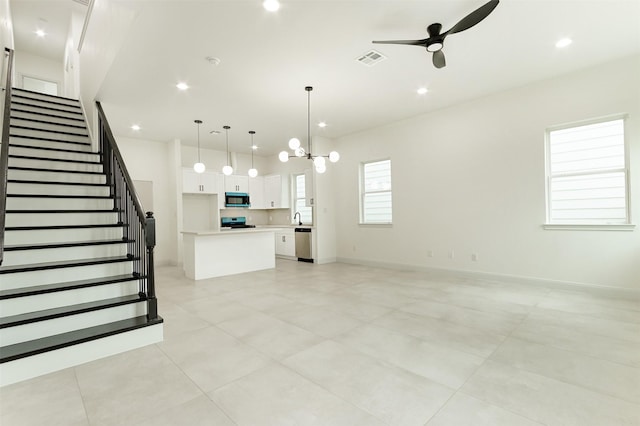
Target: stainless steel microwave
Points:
(236, 199)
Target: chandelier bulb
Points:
(283, 156)
(334, 156)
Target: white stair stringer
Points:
(68, 289)
(43, 363)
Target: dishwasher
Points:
(303, 244)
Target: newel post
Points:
(150, 236)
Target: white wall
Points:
(471, 179)
(6, 25)
(153, 161)
(29, 65)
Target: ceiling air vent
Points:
(371, 58)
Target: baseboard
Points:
(326, 260)
(608, 291)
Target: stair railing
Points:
(4, 147)
(139, 228)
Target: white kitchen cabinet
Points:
(256, 192)
(309, 196)
(276, 191)
(236, 183)
(199, 183)
(285, 243)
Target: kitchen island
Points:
(209, 254)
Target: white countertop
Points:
(231, 231)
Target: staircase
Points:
(76, 281)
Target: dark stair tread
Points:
(62, 211)
(18, 89)
(65, 264)
(23, 103)
(51, 227)
(45, 170)
(47, 115)
(66, 286)
(55, 182)
(47, 148)
(20, 97)
(57, 160)
(39, 138)
(53, 123)
(44, 246)
(58, 132)
(81, 308)
(34, 347)
(92, 197)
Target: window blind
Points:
(587, 182)
(376, 200)
(306, 212)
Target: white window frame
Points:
(627, 226)
(294, 204)
(363, 193)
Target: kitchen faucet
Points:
(299, 218)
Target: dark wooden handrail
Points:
(139, 227)
(4, 148)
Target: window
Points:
(375, 192)
(587, 174)
(300, 201)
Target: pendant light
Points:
(294, 143)
(227, 170)
(199, 166)
(252, 171)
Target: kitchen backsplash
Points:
(260, 217)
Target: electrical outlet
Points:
(474, 257)
(452, 254)
(354, 248)
(429, 253)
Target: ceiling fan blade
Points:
(473, 18)
(438, 59)
(407, 42)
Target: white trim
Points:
(610, 291)
(85, 27)
(588, 227)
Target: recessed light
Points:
(182, 86)
(40, 33)
(254, 147)
(271, 5)
(135, 127)
(422, 90)
(563, 42)
(322, 124)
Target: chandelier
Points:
(299, 152)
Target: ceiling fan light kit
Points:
(319, 161)
(435, 42)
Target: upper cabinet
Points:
(309, 196)
(256, 193)
(199, 183)
(236, 183)
(276, 191)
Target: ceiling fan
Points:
(435, 42)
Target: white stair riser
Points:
(37, 365)
(50, 144)
(54, 165)
(46, 154)
(60, 176)
(40, 302)
(48, 135)
(35, 203)
(51, 276)
(61, 235)
(51, 189)
(38, 330)
(57, 219)
(51, 127)
(38, 117)
(46, 105)
(43, 97)
(26, 257)
(20, 104)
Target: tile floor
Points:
(350, 345)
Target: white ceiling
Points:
(268, 58)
